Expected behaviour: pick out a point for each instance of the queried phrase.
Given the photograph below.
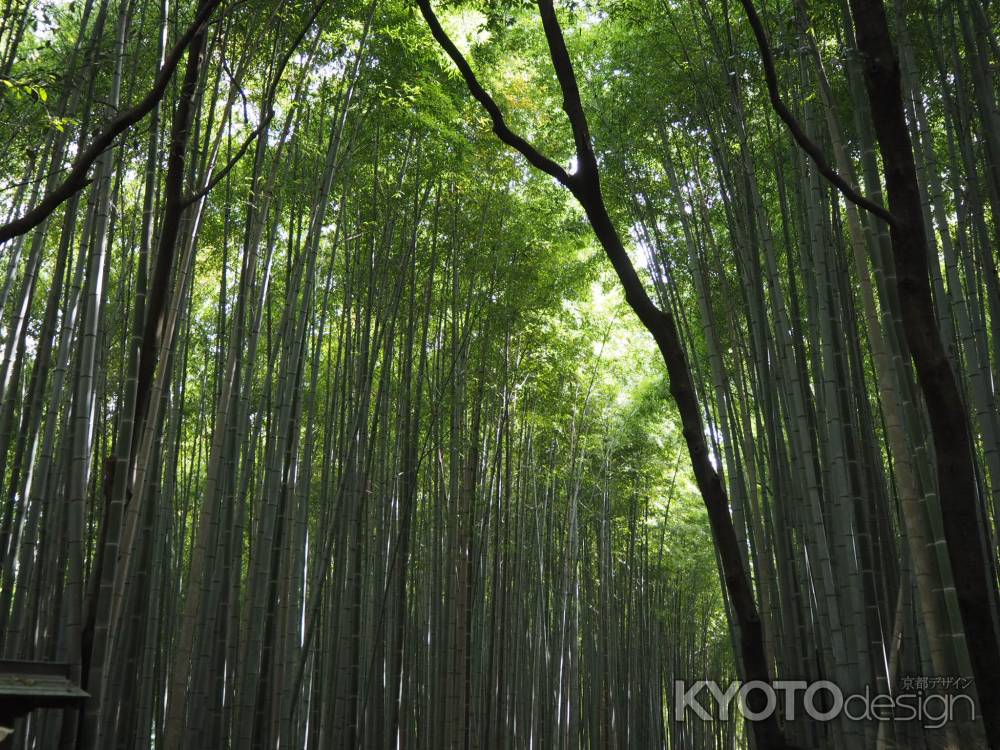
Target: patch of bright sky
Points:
(332, 69)
(45, 18)
(593, 17)
(625, 356)
(641, 252)
(624, 341)
(466, 27)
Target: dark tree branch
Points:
(504, 133)
(805, 143)
(268, 115)
(197, 195)
(563, 65)
(173, 211)
(77, 178)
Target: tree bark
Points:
(970, 557)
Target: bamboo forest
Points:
(499, 374)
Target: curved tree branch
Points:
(269, 97)
(504, 133)
(806, 144)
(77, 178)
(572, 105)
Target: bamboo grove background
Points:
(323, 423)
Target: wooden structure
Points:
(27, 685)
